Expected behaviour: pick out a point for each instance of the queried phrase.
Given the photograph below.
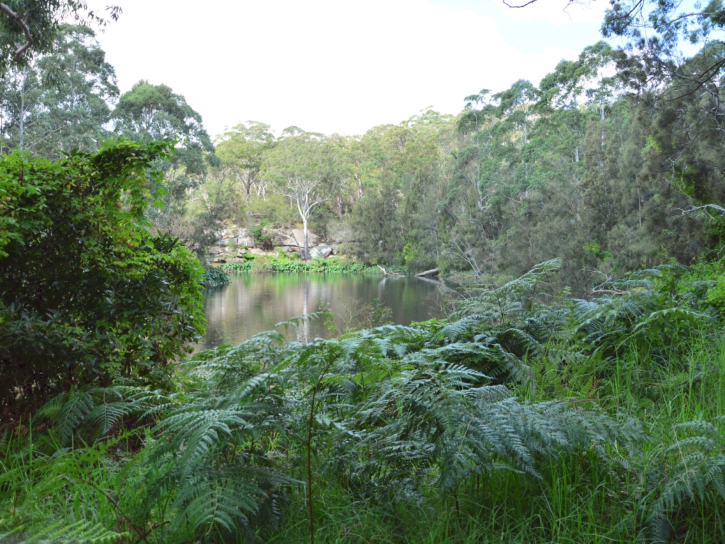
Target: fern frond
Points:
(81, 532)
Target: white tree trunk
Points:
(307, 252)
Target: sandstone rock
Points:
(323, 250)
(245, 241)
(285, 238)
(312, 238)
(257, 251)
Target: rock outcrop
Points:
(321, 251)
(234, 242)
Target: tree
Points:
(87, 293)
(307, 169)
(152, 112)
(377, 216)
(242, 150)
(60, 100)
(30, 25)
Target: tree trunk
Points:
(22, 109)
(428, 272)
(306, 253)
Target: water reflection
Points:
(254, 303)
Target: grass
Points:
(573, 502)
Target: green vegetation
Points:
(214, 277)
(520, 417)
(286, 264)
(581, 399)
(87, 294)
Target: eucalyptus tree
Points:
(60, 100)
(154, 112)
(28, 27)
(515, 104)
(306, 168)
(242, 149)
(20, 92)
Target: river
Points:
(253, 303)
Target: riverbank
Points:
(263, 263)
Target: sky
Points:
(339, 66)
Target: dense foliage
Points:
(87, 292)
(513, 393)
(581, 402)
(214, 277)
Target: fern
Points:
(393, 413)
(698, 473)
(81, 532)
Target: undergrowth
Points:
(526, 417)
(214, 276)
(284, 264)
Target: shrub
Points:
(214, 276)
(87, 293)
(261, 265)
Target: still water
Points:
(253, 303)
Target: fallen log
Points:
(428, 273)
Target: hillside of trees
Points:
(592, 167)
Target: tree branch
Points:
(521, 6)
(704, 206)
(24, 27)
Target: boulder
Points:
(285, 238)
(299, 235)
(323, 250)
(245, 241)
(216, 251)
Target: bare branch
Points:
(24, 27)
(704, 206)
(521, 6)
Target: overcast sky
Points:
(339, 65)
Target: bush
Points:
(214, 276)
(261, 265)
(87, 293)
(261, 238)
